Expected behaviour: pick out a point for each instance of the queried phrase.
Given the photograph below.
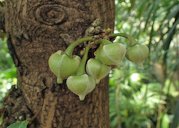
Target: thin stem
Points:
(102, 41)
(131, 40)
(119, 34)
(69, 50)
(81, 69)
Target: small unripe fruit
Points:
(111, 53)
(137, 53)
(96, 69)
(81, 85)
(62, 65)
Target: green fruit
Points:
(96, 69)
(81, 85)
(62, 65)
(111, 54)
(137, 53)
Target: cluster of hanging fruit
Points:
(82, 75)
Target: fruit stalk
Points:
(69, 50)
(131, 40)
(81, 69)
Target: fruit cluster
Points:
(82, 75)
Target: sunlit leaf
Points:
(165, 121)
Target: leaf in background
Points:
(140, 7)
(7, 74)
(19, 124)
(165, 121)
(151, 13)
(132, 2)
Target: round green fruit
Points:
(62, 65)
(137, 53)
(81, 85)
(96, 69)
(111, 54)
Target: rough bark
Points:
(36, 29)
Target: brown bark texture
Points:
(36, 29)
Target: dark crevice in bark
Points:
(14, 107)
(12, 51)
(2, 21)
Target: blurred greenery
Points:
(146, 96)
(140, 96)
(7, 70)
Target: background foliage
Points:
(146, 96)
(7, 69)
(140, 96)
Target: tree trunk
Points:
(36, 29)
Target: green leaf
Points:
(19, 124)
(165, 121)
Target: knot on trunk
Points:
(51, 14)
